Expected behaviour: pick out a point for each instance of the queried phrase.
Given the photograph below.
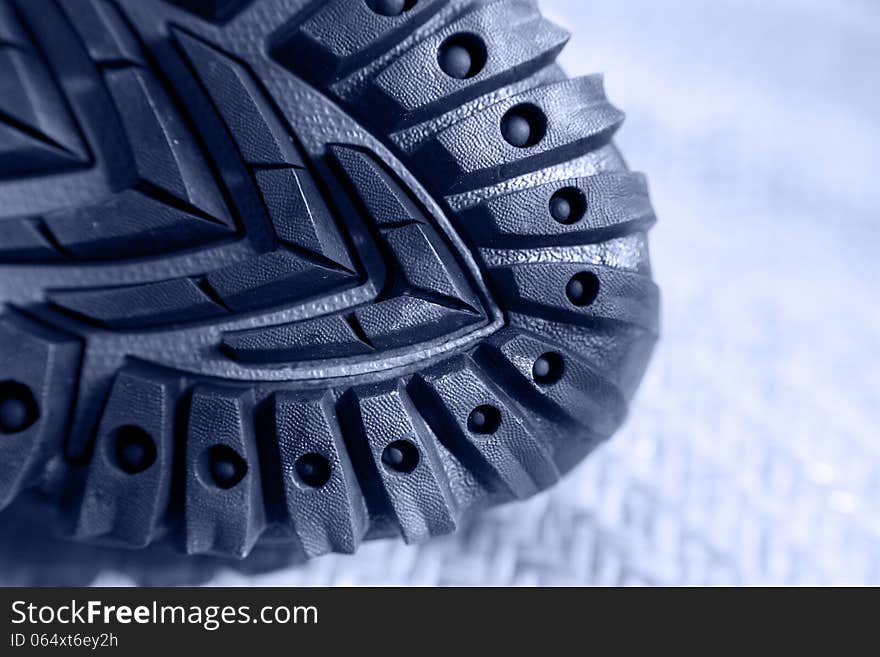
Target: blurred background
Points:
(752, 455)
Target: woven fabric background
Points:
(752, 455)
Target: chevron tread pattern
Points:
(306, 272)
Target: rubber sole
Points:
(306, 272)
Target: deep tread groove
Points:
(33, 133)
(271, 473)
(208, 290)
(370, 481)
(358, 330)
(155, 192)
(49, 236)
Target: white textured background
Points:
(753, 452)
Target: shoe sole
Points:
(306, 272)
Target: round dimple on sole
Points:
(484, 420)
(548, 368)
(391, 7)
(401, 456)
(313, 470)
(222, 467)
(524, 126)
(18, 407)
(134, 449)
(568, 205)
(462, 56)
(583, 288)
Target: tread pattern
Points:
(292, 280)
(169, 199)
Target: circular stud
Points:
(225, 467)
(568, 205)
(401, 456)
(391, 7)
(462, 56)
(484, 420)
(18, 408)
(524, 126)
(135, 450)
(313, 470)
(548, 368)
(583, 288)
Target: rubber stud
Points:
(135, 449)
(462, 56)
(401, 456)
(568, 205)
(548, 368)
(18, 408)
(391, 7)
(583, 288)
(524, 126)
(226, 467)
(313, 470)
(484, 420)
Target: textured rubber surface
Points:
(306, 272)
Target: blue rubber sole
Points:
(306, 272)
